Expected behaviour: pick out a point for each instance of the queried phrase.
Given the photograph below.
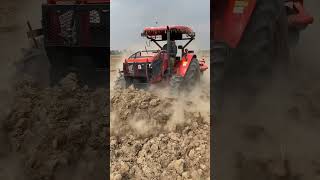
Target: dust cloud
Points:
(273, 134)
(12, 39)
(45, 133)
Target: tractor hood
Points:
(142, 57)
(140, 60)
(140, 64)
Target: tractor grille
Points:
(95, 17)
(139, 69)
(76, 25)
(65, 23)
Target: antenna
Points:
(156, 21)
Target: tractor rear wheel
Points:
(264, 44)
(189, 81)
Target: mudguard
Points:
(183, 65)
(230, 20)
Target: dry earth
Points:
(157, 136)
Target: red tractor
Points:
(251, 36)
(152, 66)
(76, 39)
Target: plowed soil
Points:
(158, 136)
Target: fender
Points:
(183, 65)
(230, 19)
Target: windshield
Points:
(144, 54)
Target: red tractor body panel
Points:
(182, 66)
(231, 19)
(140, 60)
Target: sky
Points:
(129, 17)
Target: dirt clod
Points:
(158, 137)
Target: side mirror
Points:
(180, 47)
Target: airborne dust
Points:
(274, 134)
(44, 136)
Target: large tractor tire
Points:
(220, 52)
(263, 47)
(264, 42)
(189, 81)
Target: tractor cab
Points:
(176, 33)
(152, 66)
